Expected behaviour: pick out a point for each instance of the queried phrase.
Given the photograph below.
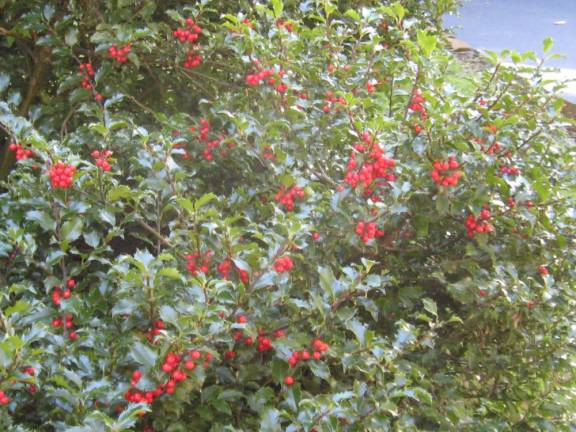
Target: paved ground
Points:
(522, 25)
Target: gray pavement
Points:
(521, 25)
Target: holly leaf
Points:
(72, 229)
(144, 355)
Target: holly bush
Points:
(298, 215)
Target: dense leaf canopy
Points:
(298, 215)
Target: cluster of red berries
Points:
(120, 54)
(195, 265)
(318, 347)
(21, 152)
(286, 197)
(367, 231)
(505, 169)
(87, 71)
(417, 104)
(193, 60)
(210, 145)
(493, 148)
(189, 34)
(283, 264)
(30, 372)
(4, 399)
(266, 75)
(479, 225)
(136, 396)
(263, 342)
(68, 324)
(61, 175)
(208, 152)
(315, 235)
(157, 327)
(285, 25)
(445, 174)
(102, 159)
(204, 129)
(375, 167)
(255, 79)
(58, 293)
(172, 366)
(224, 268)
(331, 100)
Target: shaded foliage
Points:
(243, 216)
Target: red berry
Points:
(283, 264)
(289, 380)
(543, 270)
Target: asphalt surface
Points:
(521, 25)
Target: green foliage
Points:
(426, 328)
